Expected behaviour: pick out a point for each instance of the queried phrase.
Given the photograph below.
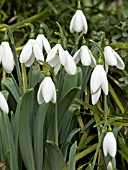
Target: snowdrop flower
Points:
(3, 104)
(109, 167)
(31, 51)
(6, 57)
(78, 22)
(57, 57)
(84, 54)
(109, 144)
(47, 91)
(112, 58)
(98, 81)
(43, 43)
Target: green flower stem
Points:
(105, 111)
(24, 77)
(15, 55)
(56, 125)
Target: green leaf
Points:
(9, 84)
(25, 129)
(54, 156)
(8, 141)
(72, 161)
(88, 124)
(38, 135)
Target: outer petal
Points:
(26, 52)
(38, 52)
(39, 40)
(72, 24)
(54, 61)
(110, 56)
(85, 26)
(95, 82)
(70, 65)
(46, 44)
(3, 104)
(48, 88)
(95, 97)
(76, 56)
(7, 58)
(61, 54)
(104, 83)
(30, 61)
(85, 55)
(109, 144)
(40, 98)
(78, 21)
(93, 60)
(120, 63)
(109, 167)
(51, 54)
(57, 68)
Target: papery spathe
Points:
(31, 51)
(46, 91)
(109, 144)
(43, 42)
(3, 104)
(112, 58)
(84, 54)
(98, 81)
(78, 22)
(109, 166)
(6, 57)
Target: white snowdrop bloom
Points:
(6, 57)
(109, 166)
(43, 43)
(57, 57)
(31, 51)
(109, 144)
(98, 81)
(84, 54)
(3, 104)
(78, 22)
(46, 91)
(112, 58)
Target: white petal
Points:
(7, 58)
(40, 98)
(104, 83)
(46, 44)
(120, 63)
(26, 52)
(109, 56)
(76, 56)
(51, 54)
(3, 104)
(78, 21)
(85, 26)
(48, 89)
(70, 65)
(38, 53)
(95, 82)
(54, 61)
(85, 55)
(72, 24)
(57, 68)
(95, 97)
(29, 62)
(109, 144)
(93, 61)
(109, 166)
(61, 54)
(39, 41)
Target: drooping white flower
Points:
(43, 42)
(112, 58)
(98, 81)
(84, 54)
(109, 144)
(46, 91)
(6, 57)
(78, 22)
(31, 51)
(57, 57)
(3, 104)
(109, 166)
